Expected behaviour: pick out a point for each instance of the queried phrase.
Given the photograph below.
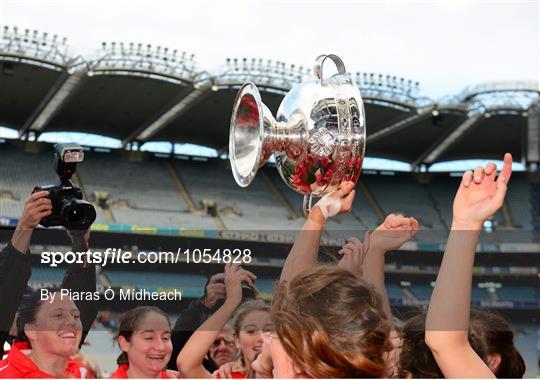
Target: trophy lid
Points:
(246, 134)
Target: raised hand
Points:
(480, 195)
(234, 276)
(393, 233)
(337, 202)
(353, 253)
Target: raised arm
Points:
(479, 196)
(389, 236)
(190, 360)
(305, 250)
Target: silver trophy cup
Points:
(318, 137)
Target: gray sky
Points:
(445, 45)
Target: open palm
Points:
(480, 195)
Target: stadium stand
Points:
(144, 192)
(143, 185)
(45, 274)
(20, 173)
(255, 207)
(522, 293)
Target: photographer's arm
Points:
(447, 322)
(82, 278)
(15, 268)
(305, 250)
(190, 360)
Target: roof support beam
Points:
(533, 134)
(179, 107)
(434, 152)
(53, 101)
(421, 114)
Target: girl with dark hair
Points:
(49, 334)
(447, 332)
(144, 336)
(251, 320)
(490, 336)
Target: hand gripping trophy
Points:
(318, 137)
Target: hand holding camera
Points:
(36, 207)
(68, 208)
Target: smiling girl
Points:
(144, 337)
(49, 334)
(251, 320)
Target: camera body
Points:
(68, 208)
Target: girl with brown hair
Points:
(251, 320)
(328, 324)
(144, 336)
(328, 321)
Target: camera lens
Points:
(77, 214)
(74, 214)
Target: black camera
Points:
(68, 208)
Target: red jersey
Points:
(19, 365)
(235, 375)
(121, 373)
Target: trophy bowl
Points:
(318, 136)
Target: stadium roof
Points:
(145, 93)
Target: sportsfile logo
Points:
(119, 256)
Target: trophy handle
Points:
(307, 204)
(318, 68)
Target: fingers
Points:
(345, 250)
(248, 273)
(467, 178)
(235, 269)
(231, 268)
(353, 240)
(218, 277)
(346, 204)
(367, 239)
(41, 205)
(415, 226)
(216, 288)
(506, 171)
(37, 195)
(500, 193)
(479, 175)
(490, 169)
(344, 189)
(394, 221)
(39, 202)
